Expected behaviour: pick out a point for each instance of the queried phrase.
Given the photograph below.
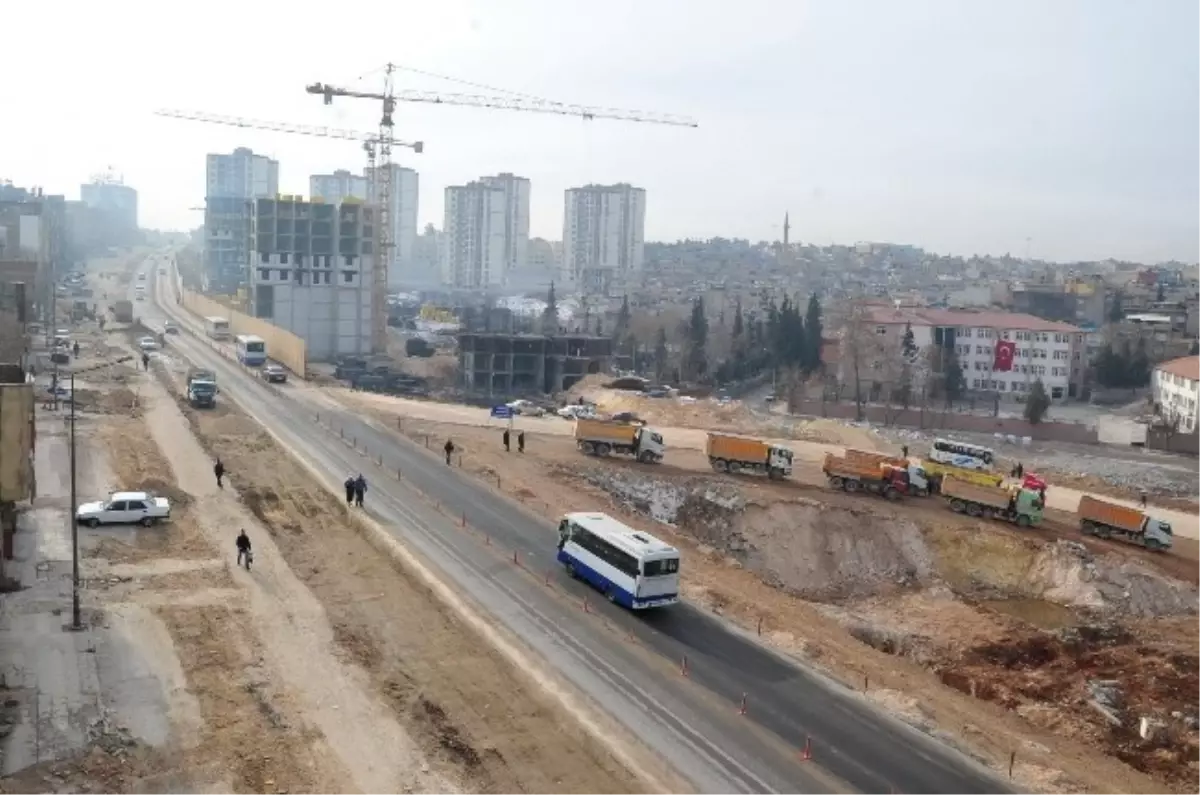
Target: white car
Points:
(147, 344)
(124, 507)
(575, 411)
(526, 408)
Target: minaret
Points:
(786, 228)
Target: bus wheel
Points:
(611, 593)
(571, 571)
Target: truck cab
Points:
(1028, 502)
(650, 442)
(779, 459)
(1156, 533)
(918, 479)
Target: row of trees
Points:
(1127, 366)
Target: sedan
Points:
(273, 374)
(147, 344)
(526, 408)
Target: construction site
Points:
(982, 634)
(506, 364)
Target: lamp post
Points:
(76, 612)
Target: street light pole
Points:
(76, 617)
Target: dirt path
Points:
(478, 721)
(298, 641)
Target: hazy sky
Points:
(962, 126)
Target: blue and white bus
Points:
(630, 567)
(216, 327)
(251, 350)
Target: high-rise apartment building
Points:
(604, 236)
(339, 185)
(401, 266)
(313, 271)
(486, 232)
(231, 182)
(118, 201)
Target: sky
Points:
(1068, 130)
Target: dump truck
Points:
(918, 480)
(1109, 520)
(601, 437)
(123, 311)
(734, 454)
(937, 472)
(201, 388)
(886, 480)
(1016, 504)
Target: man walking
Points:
(219, 471)
(521, 441)
(449, 448)
(349, 490)
(360, 489)
(507, 449)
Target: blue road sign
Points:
(502, 412)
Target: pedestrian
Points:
(219, 471)
(506, 440)
(349, 490)
(360, 489)
(449, 448)
(1020, 470)
(1143, 496)
(521, 442)
(145, 361)
(75, 349)
(904, 450)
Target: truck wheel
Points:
(851, 485)
(836, 483)
(891, 494)
(958, 506)
(719, 465)
(1086, 528)
(1152, 544)
(603, 449)
(734, 467)
(1023, 521)
(646, 457)
(974, 510)
(588, 448)
(774, 474)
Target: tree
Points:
(1160, 294)
(908, 362)
(1195, 349)
(1037, 404)
(696, 363)
(550, 313)
(739, 325)
(812, 335)
(1116, 311)
(660, 355)
(855, 344)
(954, 379)
(623, 318)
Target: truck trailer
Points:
(1109, 520)
(601, 437)
(1018, 505)
(886, 480)
(734, 454)
(937, 473)
(123, 311)
(918, 480)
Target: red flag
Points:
(1006, 351)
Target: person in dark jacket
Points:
(360, 489)
(506, 438)
(521, 442)
(219, 471)
(449, 448)
(243, 546)
(349, 490)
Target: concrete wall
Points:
(16, 442)
(282, 346)
(935, 419)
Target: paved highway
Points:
(693, 721)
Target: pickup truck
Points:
(124, 507)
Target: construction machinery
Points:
(601, 437)
(734, 454)
(918, 481)
(1109, 520)
(1016, 504)
(886, 480)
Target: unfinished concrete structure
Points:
(504, 365)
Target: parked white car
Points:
(575, 411)
(124, 507)
(526, 408)
(147, 344)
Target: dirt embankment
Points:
(481, 720)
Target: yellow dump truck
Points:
(734, 454)
(601, 437)
(937, 473)
(1019, 505)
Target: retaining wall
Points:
(282, 346)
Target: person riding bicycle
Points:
(243, 546)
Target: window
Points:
(326, 275)
(881, 329)
(117, 506)
(1056, 393)
(658, 568)
(299, 259)
(283, 258)
(1000, 384)
(135, 505)
(1004, 335)
(264, 256)
(264, 274)
(974, 383)
(620, 560)
(283, 275)
(347, 276)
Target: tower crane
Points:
(383, 173)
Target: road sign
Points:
(502, 412)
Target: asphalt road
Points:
(694, 721)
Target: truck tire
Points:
(719, 464)
(892, 494)
(734, 467)
(1085, 527)
(958, 506)
(974, 510)
(836, 483)
(851, 485)
(1152, 544)
(646, 457)
(603, 449)
(1023, 521)
(775, 473)
(588, 448)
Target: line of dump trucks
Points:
(980, 493)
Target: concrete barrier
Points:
(282, 346)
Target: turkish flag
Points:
(1006, 351)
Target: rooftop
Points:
(927, 316)
(1187, 367)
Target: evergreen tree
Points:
(1195, 349)
(1160, 294)
(956, 381)
(660, 355)
(812, 335)
(623, 317)
(1116, 311)
(908, 345)
(739, 325)
(697, 334)
(1037, 404)
(550, 313)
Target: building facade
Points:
(118, 201)
(485, 234)
(405, 191)
(1176, 389)
(1001, 353)
(313, 271)
(604, 236)
(232, 182)
(338, 186)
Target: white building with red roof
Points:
(1175, 385)
(999, 352)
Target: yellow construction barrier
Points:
(282, 346)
